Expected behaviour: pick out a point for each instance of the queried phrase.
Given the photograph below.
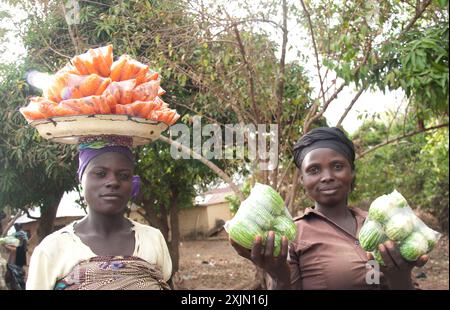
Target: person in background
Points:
(12, 274)
(3, 269)
(21, 250)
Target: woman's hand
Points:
(10, 248)
(397, 270)
(262, 256)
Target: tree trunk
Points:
(170, 232)
(165, 230)
(151, 216)
(8, 223)
(291, 195)
(208, 163)
(174, 230)
(48, 215)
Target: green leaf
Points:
(443, 3)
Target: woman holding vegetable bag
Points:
(104, 250)
(326, 253)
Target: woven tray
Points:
(68, 129)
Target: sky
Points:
(370, 102)
(14, 47)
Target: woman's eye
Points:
(100, 173)
(313, 170)
(124, 176)
(338, 166)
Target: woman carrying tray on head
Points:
(104, 250)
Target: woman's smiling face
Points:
(327, 176)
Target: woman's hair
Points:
(324, 137)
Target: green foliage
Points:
(32, 169)
(420, 68)
(384, 45)
(161, 173)
(234, 201)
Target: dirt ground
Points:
(434, 275)
(213, 264)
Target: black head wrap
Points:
(324, 137)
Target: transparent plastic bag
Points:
(71, 86)
(97, 60)
(147, 91)
(10, 240)
(391, 218)
(121, 92)
(264, 210)
(126, 68)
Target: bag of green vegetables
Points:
(391, 218)
(262, 211)
(10, 240)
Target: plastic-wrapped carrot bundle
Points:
(160, 103)
(149, 76)
(72, 86)
(146, 91)
(122, 92)
(93, 84)
(38, 108)
(149, 110)
(137, 108)
(98, 61)
(68, 68)
(87, 105)
(168, 116)
(126, 68)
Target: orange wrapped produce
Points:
(93, 84)
(149, 76)
(38, 108)
(88, 105)
(98, 61)
(71, 86)
(126, 68)
(122, 92)
(147, 91)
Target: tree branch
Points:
(284, 174)
(29, 215)
(389, 141)
(308, 122)
(208, 163)
(71, 33)
(281, 81)
(350, 106)
(308, 16)
(310, 119)
(10, 223)
(250, 72)
(293, 191)
(419, 11)
(201, 83)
